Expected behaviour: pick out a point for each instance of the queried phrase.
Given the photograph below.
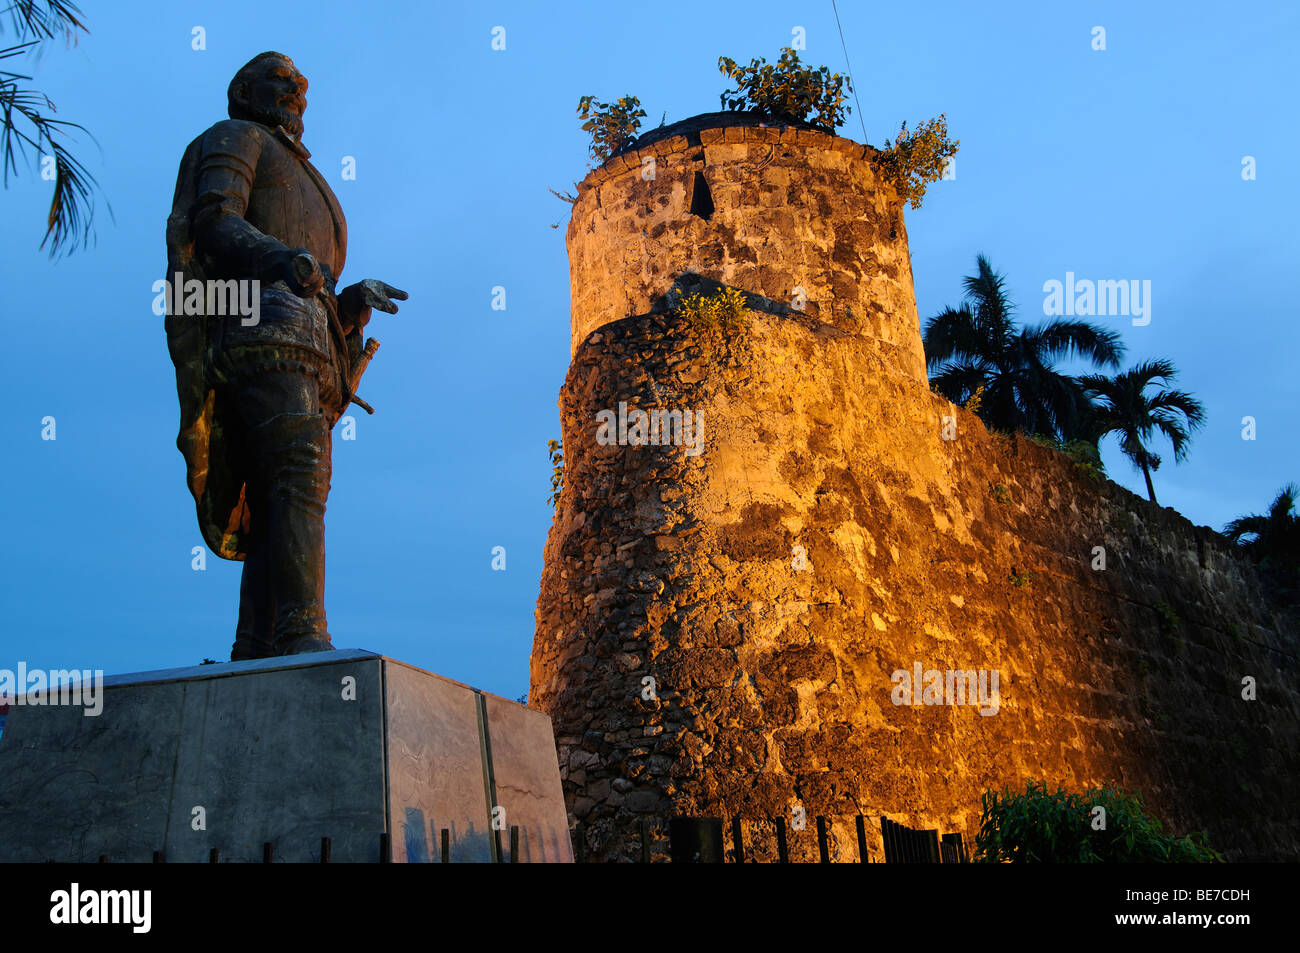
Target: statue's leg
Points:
(276, 367)
(290, 444)
(300, 490)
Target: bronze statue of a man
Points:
(260, 393)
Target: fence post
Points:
(823, 842)
(954, 851)
(324, 850)
(930, 841)
(737, 840)
(895, 848)
(446, 845)
(861, 824)
(782, 849)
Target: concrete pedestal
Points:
(346, 745)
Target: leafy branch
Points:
(787, 91)
(917, 158)
(723, 311)
(46, 19)
(613, 126)
(25, 124)
(556, 453)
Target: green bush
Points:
(613, 126)
(787, 91)
(1166, 618)
(1085, 456)
(722, 311)
(917, 158)
(556, 453)
(1039, 826)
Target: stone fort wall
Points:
(828, 535)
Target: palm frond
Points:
(1272, 538)
(1181, 403)
(1244, 526)
(1064, 339)
(1173, 428)
(952, 335)
(26, 126)
(1284, 503)
(1147, 372)
(987, 292)
(957, 380)
(46, 19)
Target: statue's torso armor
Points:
(264, 177)
(259, 194)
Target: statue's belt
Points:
(292, 345)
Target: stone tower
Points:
(723, 613)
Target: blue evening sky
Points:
(1118, 164)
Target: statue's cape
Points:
(214, 454)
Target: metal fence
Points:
(702, 840)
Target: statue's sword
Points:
(363, 361)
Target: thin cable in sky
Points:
(849, 67)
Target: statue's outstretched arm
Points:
(356, 302)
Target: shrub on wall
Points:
(787, 91)
(722, 311)
(556, 453)
(1045, 827)
(613, 126)
(917, 158)
(1085, 456)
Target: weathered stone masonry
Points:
(772, 683)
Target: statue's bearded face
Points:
(277, 96)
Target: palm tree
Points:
(1273, 538)
(24, 123)
(979, 346)
(1123, 406)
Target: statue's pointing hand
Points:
(376, 294)
(356, 301)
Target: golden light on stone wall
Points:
(722, 617)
